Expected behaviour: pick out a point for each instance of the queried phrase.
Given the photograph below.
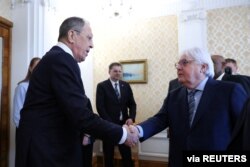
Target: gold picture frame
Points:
(134, 71)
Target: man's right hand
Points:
(132, 136)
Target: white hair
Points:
(203, 57)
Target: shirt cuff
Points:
(140, 130)
(124, 136)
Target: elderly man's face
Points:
(190, 72)
(82, 43)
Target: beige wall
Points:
(229, 34)
(5, 10)
(153, 39)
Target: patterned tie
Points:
(191, 105)
(117, 91)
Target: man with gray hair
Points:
(201, 114)
(56, 110)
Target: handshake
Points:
(132, 135)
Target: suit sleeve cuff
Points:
(140, 130)
(124, 136)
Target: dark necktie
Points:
(117, 91)
(191, 105)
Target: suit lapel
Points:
(184, 107)
(112, 90)
(205, 101)
(122, 90)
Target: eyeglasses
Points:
(183, 63)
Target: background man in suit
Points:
(56, 110)
(229, 62)
(197, 121)
(115, 103)
(223, 71)
(219, 65)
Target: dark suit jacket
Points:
(216, 115)
(242, 79)
(109, 106)
(174, 84)
(56, 111)
(241, 134)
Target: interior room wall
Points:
(154, 39)
(5, 9)
(229, 34)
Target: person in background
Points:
(20, 91)
(115, 103)
(224, 73)
(56, 110)
(219, 65)
(201, 114)
(231, 63)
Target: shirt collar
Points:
(220, 77)
(65, 48)
(201, 85)
(113, 82)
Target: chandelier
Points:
(116, 8)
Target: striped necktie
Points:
(191, 105)
(117, 91)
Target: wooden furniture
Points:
(5, 54)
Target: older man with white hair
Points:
(201, 114)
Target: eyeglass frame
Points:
(183, 63)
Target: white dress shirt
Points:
(19, 97)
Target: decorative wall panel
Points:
(229, 34)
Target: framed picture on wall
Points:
(134, 71)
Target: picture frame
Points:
(134, 71)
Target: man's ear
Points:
(71, 36)
(204, 68)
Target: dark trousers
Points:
(125, 151)
(87, 152)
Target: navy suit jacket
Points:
(109, 106)
(217, 112)
(56, 111)
(241, 133)
(242, 79)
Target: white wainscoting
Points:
(155, 148)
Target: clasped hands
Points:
(132, 135)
